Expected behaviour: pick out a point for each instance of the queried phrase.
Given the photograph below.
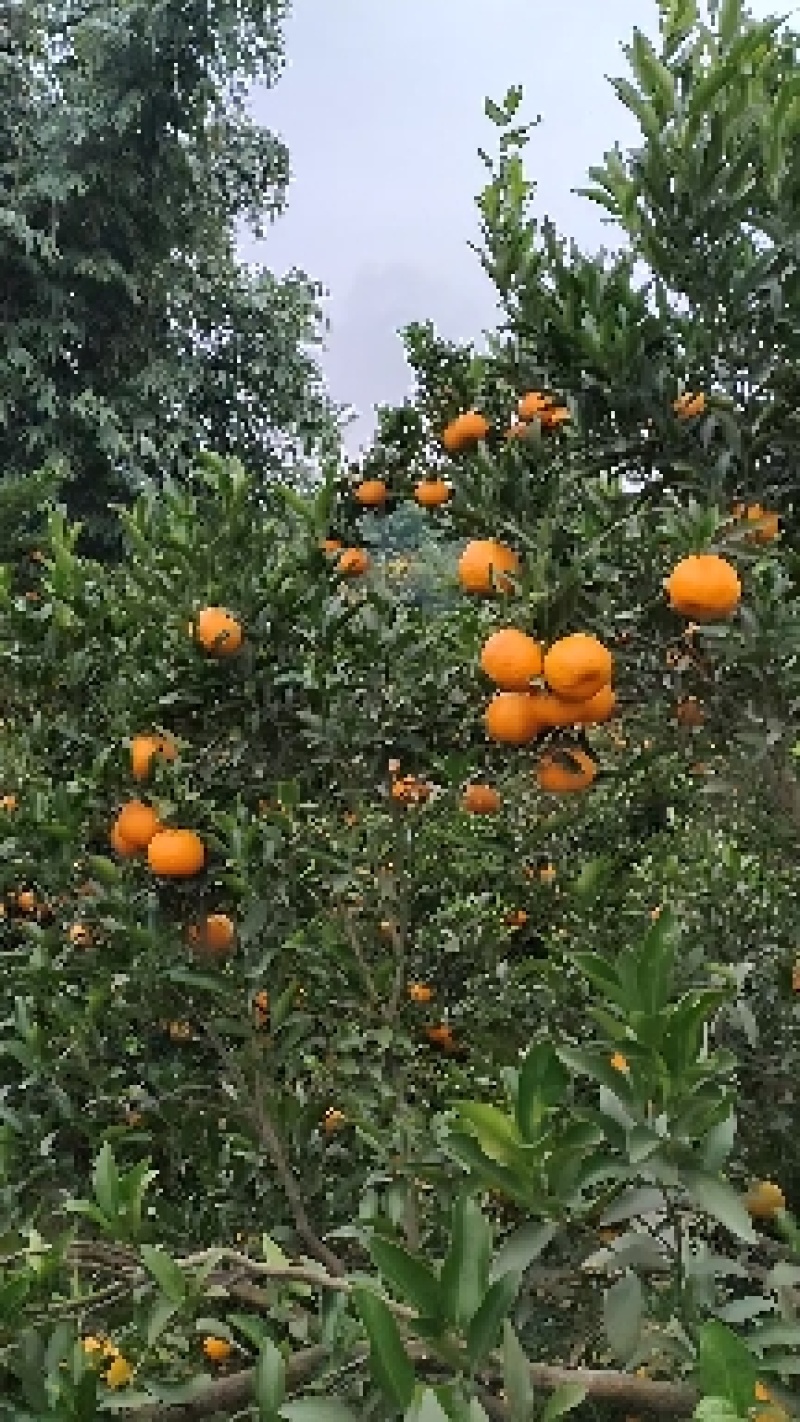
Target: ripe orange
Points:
(176, 853)
(564, 771)
(420, 992)
(768, 524)
(558, 415)
(137, 823)
(217, 1350)
(353, 562)
(704, 587)
(216, 934)
(598, 708)
(331, 545)
(481, 563)
(578, 666)
(514, 718)
(410, 790)
(26, 901)
(371, 493)
(440, 1036)
(333, 1121)
(516, 918)
(688, 406)
(430, 493)
(481, 800)
(531, 405)
(218, 632)
(764, 1200)
(619, 1062)
(144, 749)
(511, 659)
(465, 430)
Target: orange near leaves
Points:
(599, 707)
(511, 659)
(465, 430)
(176, 853)
(420, 992)
(371, 493)
(120, 844)
(482, 564)
(217, 1349)
(137, 823)
(216, 933)
(688, 407)
(704, 587)
(564, 771)
(514, 718)
(353, 562)
(768, 524)
(531, 405)
(333, 1121)
(144, 749)
(430, 493)
(218, 632)
(764, 1200)
(481, 800)
(689, 712)
(578, 666)
(410, 790)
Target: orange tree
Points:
(376, 1014)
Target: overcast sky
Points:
(382, 106)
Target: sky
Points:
(382, 106)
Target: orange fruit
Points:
(410, 790)
(353, 562)
(531, 405)
(144, 749)
(578, 666)
(465, 430)
(688, 406)
(514, 718)
(120, 844)
(331, 545)
(430, 493)
(137, 823)
(518, 430)
(481, 800)
(441, 1036)
(216, 933)
(176, 853)
(218, 632)
(598, 708)
(769, 524)
(564, 771)
(689, 712)
(511, 659)
(420, 992)
(371, 493)
(8, 803)
(619, 1062)
(333, 1121)
(26, 901)
(764, 1200)
(217, 1350)
(704, 587)
(79, 935)
(516, 918)
(481, 563)
(552, 418)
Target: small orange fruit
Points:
(578, 666)
(218, 632)
(411, 791)
(768, 524)
(180, 1031)
(552, 418)
(689, 712)
(217, 1350)
(619, 1062)
(764, 1200)
(79, 935)
(465, 430)
(514, 718)
(26, 901)
(216, 934)
(511, 659)
(120, 1373)
(371, 493)
(516, 918)
(688, 407)
(564, 771)
(331, 545)
(533, 404)
(353, 562)
(8, 803)
(420, 992)
(333, 1121)
(441, 1036)
(597, 709)
(482, 566)
(137, 823)
(176, 853)
(704, 587)
(144, 750)
(431, 493)
(548, 874)
(481, 800)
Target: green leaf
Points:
(411, 1278)
(542, 1085)
(163, 1310)
(389, 1362)
(269, 1380)
(105, 1182)
(165, 1271)
(465, 1272)
(718, 1199)
(485, 1325)
(652, 74)
(718, 1144)
(516, 1378)
(495, 1131)
(623, 1315)
(429, 1409)
(725, 1366)
(518, 1252)
(565, 1399)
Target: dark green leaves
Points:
(412, 1279)
(725, 1367)
(389, 1362)
(465, 1272)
